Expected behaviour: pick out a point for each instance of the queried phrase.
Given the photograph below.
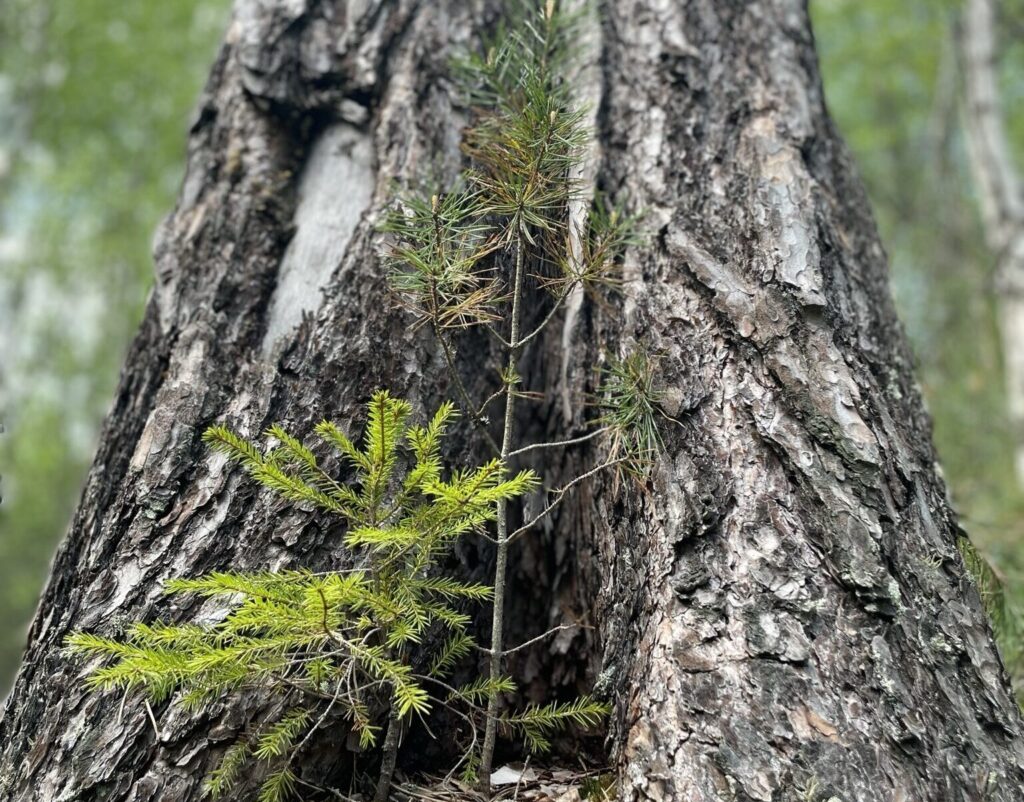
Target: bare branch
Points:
(559, 443)
(550, 315)
(560, 494)
(525, 644)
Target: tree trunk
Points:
(781, 614)
(1002, 200)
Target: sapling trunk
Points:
(390, 756)
(501, 564)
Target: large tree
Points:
(782, 612)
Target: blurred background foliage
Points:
(95, 97)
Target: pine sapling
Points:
(505, 237)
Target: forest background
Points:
(95, 98)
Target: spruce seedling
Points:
(335, 644)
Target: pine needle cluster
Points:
(630, 401)
(526, 146)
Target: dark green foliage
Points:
(610, 231)
(436, 262)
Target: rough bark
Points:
(782, 614)
(1002, 200)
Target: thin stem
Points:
(560, 443)
(487, 402)
(547, 318)
(526, 767)
(501, 566)
(560, 494)
(390, 749)
(152, 720)
(497, 335)
(531, 641)
(336, 794)
(316, 726)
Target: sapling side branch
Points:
(333, 792)
(317, 724)
(538, 639)
(497, 335)
(560, 495)
(492, 397)
(560, 443)
(547, 318)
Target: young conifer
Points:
(337, 644)
(505, 238)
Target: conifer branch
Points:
(549, 317)
(539, 638)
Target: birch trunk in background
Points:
(1000, 195)
(782, 614)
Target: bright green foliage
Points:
(280, 737)
(336, 639)
(278, 786)
(228, 773)
(537, 723)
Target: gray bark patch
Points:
(335, 189)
